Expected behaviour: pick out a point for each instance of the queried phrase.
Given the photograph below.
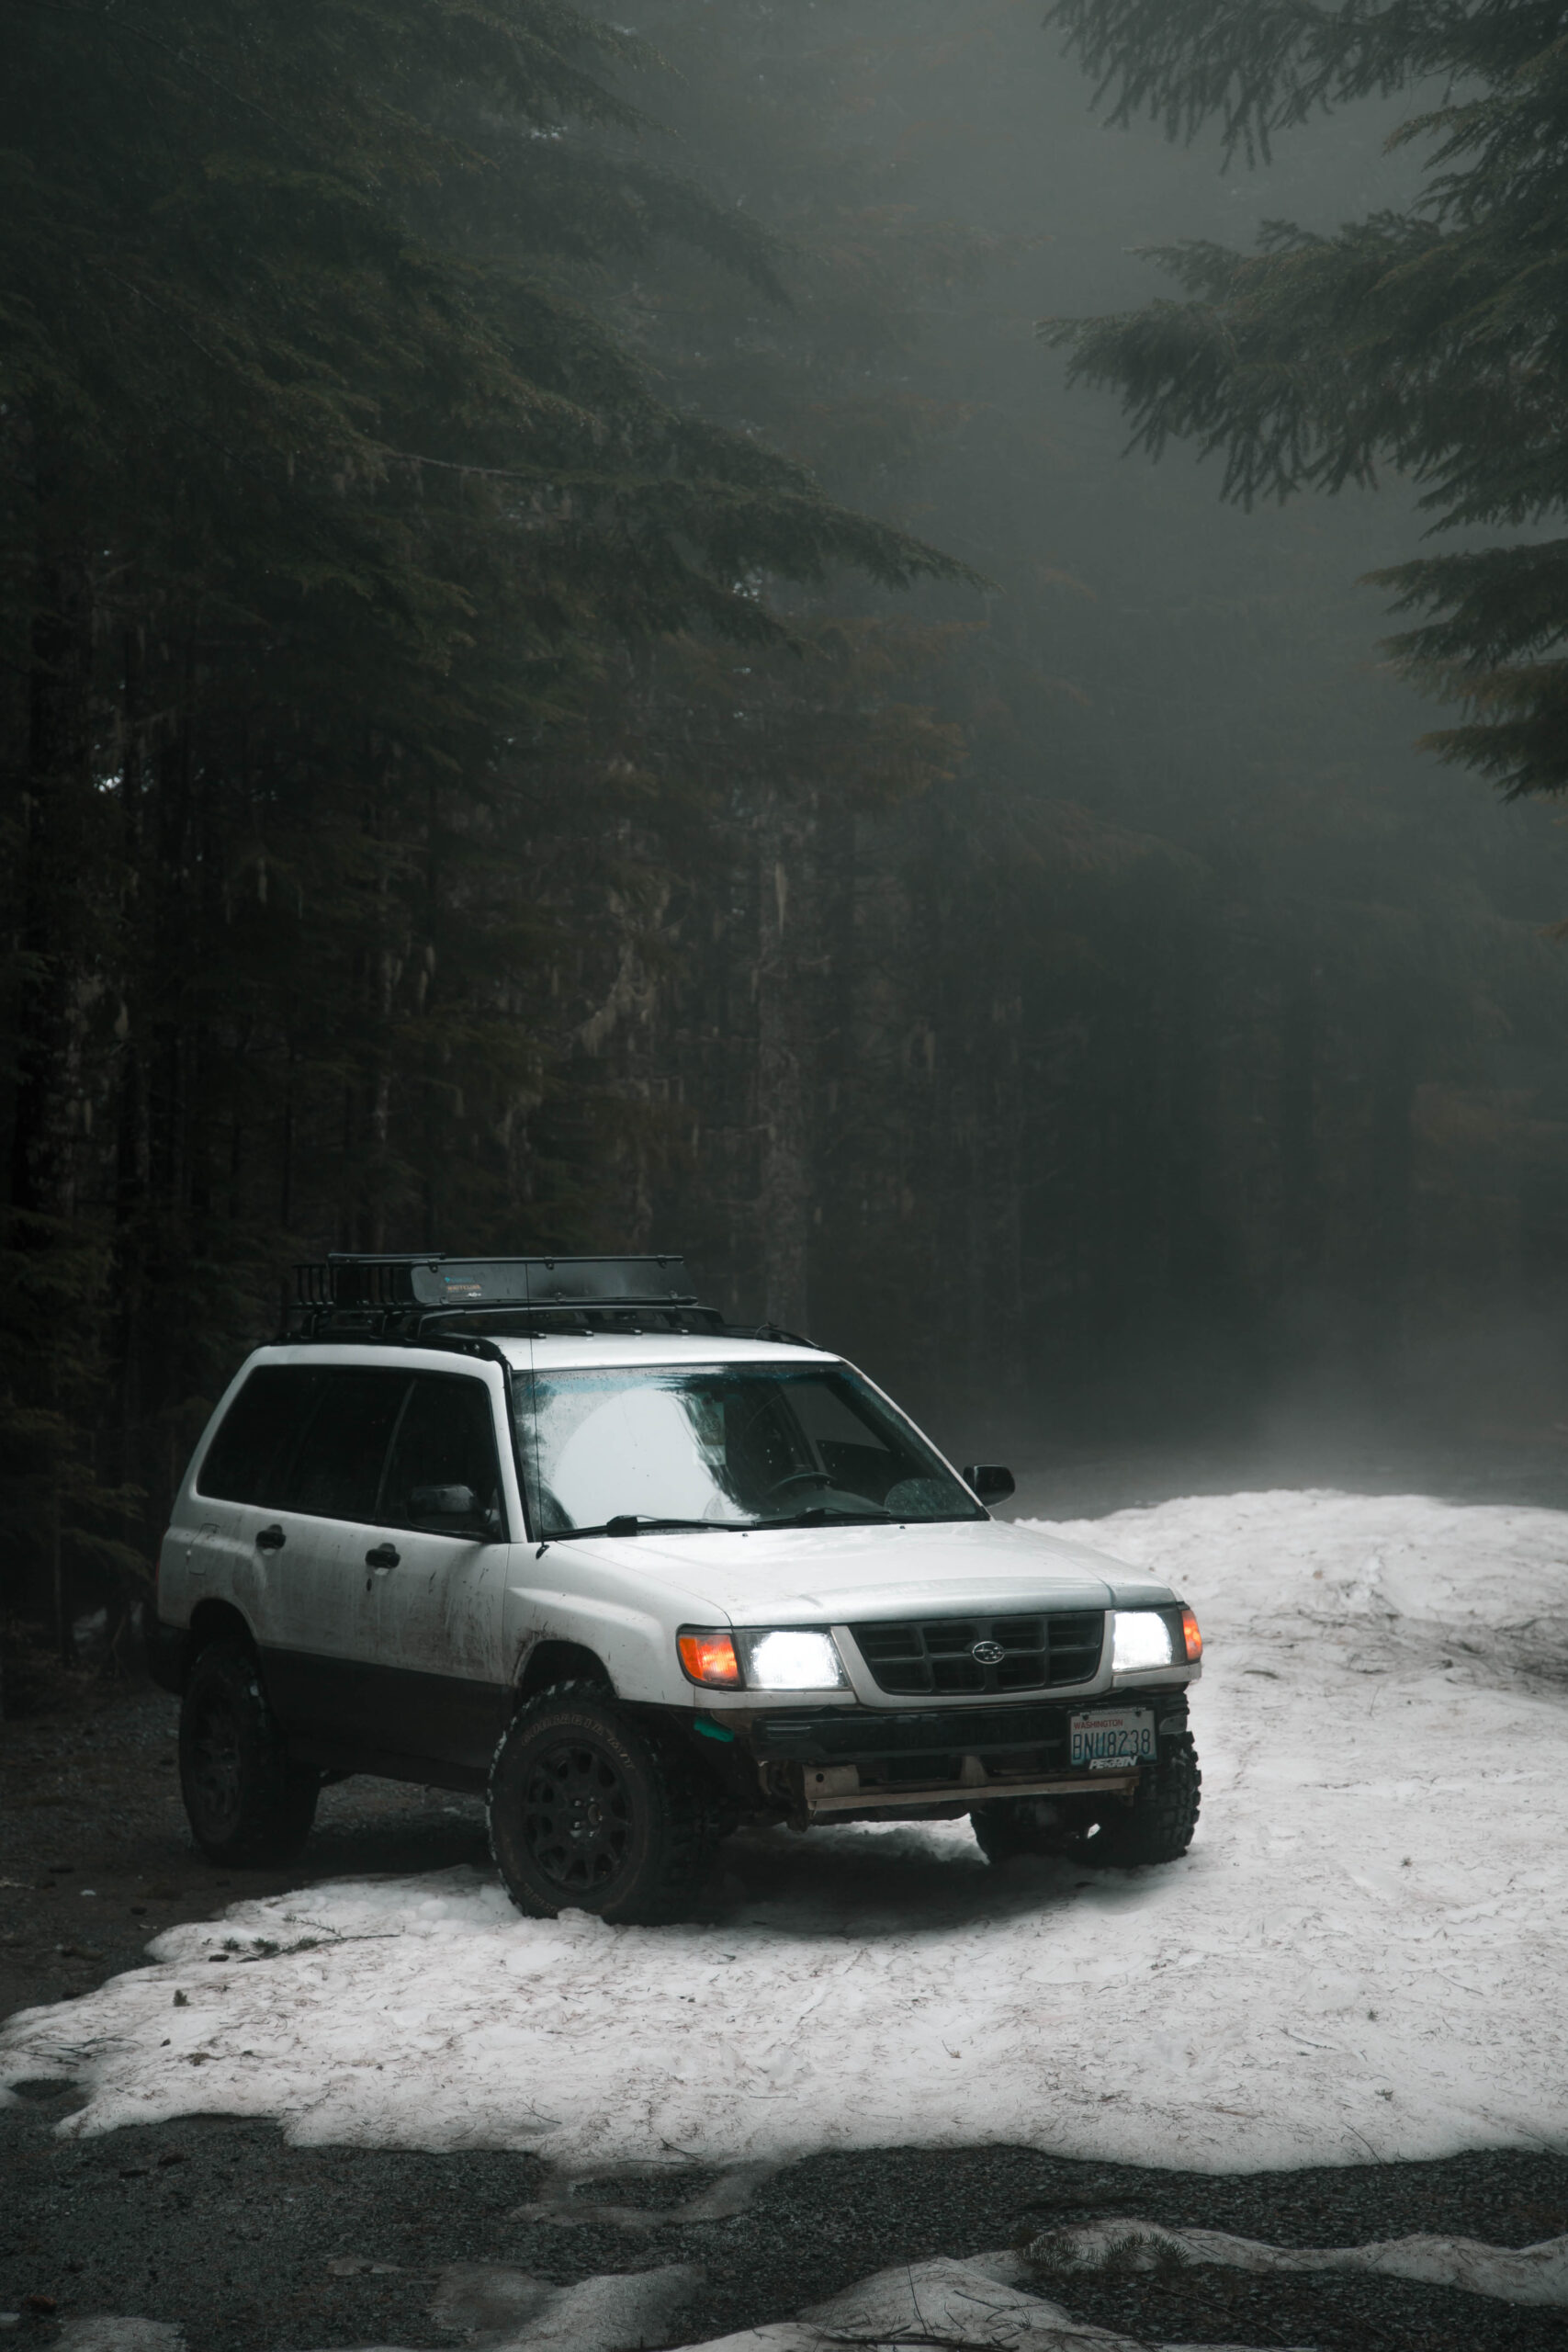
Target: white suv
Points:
(547, 1528)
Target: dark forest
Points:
(577, 673)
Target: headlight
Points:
(786, 1661)
(1141, 1640)
(772, 1661)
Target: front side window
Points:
(725, 1446)
(442, 1474)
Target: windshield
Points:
(723, 1445)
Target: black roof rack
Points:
(404, 1294)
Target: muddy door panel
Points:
(432, 1601)
(311, 1582)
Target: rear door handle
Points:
(382, 1555)
(271, 1539)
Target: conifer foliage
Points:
(327, 497)
(1431, 342)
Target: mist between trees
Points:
(574, 677)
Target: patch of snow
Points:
(1531, 2274)
(1362, 1957)
(958, 2304)
(511, 2311)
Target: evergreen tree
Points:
(1428, 342)
(328, 495)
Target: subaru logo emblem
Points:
(988, 1653)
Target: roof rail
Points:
(398, 1293)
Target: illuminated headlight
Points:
(783, 1661)
(1141, 1640)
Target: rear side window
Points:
(248, 1458)
(442, 1473)
(336, 1469)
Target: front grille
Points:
(936, 1656)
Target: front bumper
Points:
(841, 1760)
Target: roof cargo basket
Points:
(401, 1294)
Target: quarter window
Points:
(248, 1459)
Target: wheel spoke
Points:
(577, 1817)
(215, 1769)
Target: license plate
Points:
(1106, 1743)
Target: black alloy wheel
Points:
(577, 1817)
(210, 1758)
(244, 1800)
(592, 1810)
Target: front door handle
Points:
(271, 1539)
(382, 1555)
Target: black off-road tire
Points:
(246, 1804)
(1157, 1825)
(591, 1810)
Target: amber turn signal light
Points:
(1191, 1636)
(710, 1658)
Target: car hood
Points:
(834, 1574)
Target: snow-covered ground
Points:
(1362, 1956)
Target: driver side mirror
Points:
(446, 1504)
(992, 1481)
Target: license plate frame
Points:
(1111, 1739)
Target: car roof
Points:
(575, 1350)
(657, 1347)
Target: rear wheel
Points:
(245, 1803)
(590, 1811)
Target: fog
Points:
(1181, 1077)
(679, 727)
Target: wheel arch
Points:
(553, 1661)
(215, 1620)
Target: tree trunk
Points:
(783, 1087)
(48, 1115)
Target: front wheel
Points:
(245, 1803)
(1157, 1825)
(590, 1811)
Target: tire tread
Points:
(1157, 1827)
(690, 1814)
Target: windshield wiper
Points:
(820, 1514)
(636, 1522)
